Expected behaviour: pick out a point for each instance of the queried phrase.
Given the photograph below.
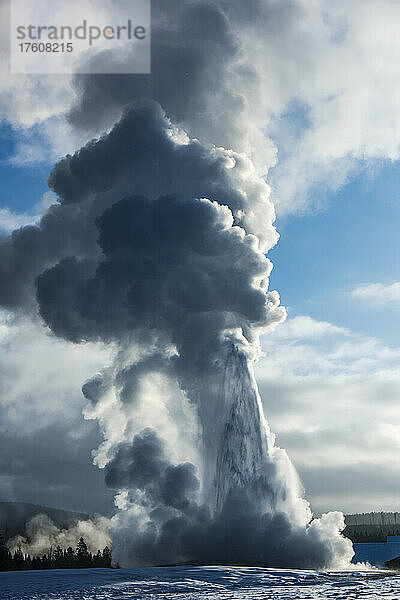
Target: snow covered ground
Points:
(192, 583)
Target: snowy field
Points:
(197, 582)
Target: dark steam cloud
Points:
(179, 529)
(167, 263)
(195, 54)
(143, 466)
(157, 246)
(143, 154)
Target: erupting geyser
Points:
(158, 247)
(238, 446)
(239, 450)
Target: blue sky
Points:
(22, 186)
(322, 256)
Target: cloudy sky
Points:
(325, 121)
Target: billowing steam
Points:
(42, 535)
(158, 247)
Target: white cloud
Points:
(41, 419)
(379, 293)
(328, 94)
(28, 100)
(303, 327)
(10, 220)
(41, 376)
(333, 402)
(338, 61)
(36, 105)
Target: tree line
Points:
(80, 558)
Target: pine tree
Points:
(36, 562)
(55, 559)
(5, 559)
(58, 558)
(98, 559)
(69, 558)
(18, 559)
(46, 561)
(83, 556)
(106, 558)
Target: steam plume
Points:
(42, 535)
(181, 287)
(158, 248)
